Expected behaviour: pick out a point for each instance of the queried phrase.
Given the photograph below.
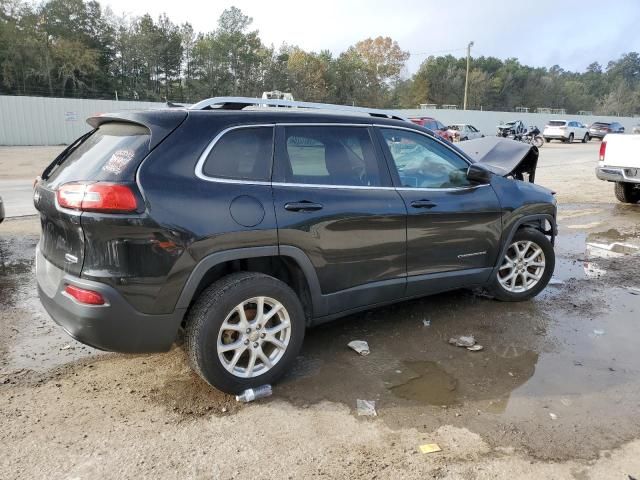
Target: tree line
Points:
(76, 48)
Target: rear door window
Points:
(242, 154)
(327, 155)
(111, 153)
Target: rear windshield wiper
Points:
(64, 154)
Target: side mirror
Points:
(478, 173)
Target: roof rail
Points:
(238, 103)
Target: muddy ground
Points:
(554, 394)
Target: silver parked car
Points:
(463, 131)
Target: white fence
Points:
(58, 121)
(53, 121)
(487, 122)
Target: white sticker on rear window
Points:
(118, 161)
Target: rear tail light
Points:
(97, 197)
(82, 295)
(603, 150)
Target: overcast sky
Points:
(569, 33)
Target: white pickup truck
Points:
(619, 162)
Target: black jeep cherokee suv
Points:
(243, 227)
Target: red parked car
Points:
(434, 125)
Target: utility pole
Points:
(466, 79)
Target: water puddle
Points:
(427, 382)
(591, 256)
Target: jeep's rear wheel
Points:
(244, 331)
(627, 192)
(526, 267)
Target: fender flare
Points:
(521, 221)
(297, 255)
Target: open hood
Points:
(503, 156)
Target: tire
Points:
(217, 307)
(517, 294)
(627, 192)
(570, 139)
(586, 138)
(547, 140)
(537, 141)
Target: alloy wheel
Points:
(254, 337)
(522, 267)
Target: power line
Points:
(437, 52)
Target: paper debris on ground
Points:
(359, 346)
(426, 323)
(556, 281)
(475, 348)
(553, 416)
(463, 341)
(366, 408)
(598, 332)
(430, 448)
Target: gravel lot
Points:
(554, 394)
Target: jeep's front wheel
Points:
(244, 331)
(526, 267)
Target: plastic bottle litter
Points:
(366, 408)
(251, 394)
(359, 346)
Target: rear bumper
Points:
(597, 134)
(555, 136)
(115, 326)
(618, 174)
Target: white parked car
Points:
(464, 131)
(565, 131)
(619, 162)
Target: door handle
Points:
(423, 204)
(303, 206)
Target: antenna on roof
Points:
(238, 103)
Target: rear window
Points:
(242, 154)
(111, 153)
(328, 155)
(600, 124)
(556, 123)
